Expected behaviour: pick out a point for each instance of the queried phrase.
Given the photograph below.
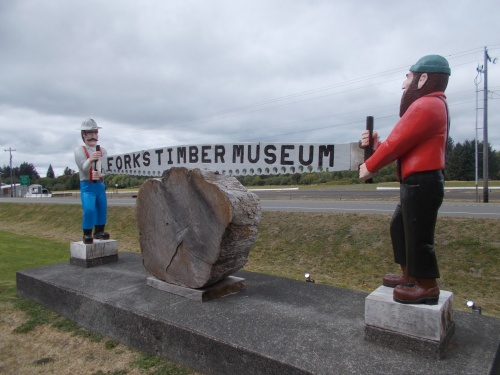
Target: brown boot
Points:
(392, 280)
(424, 291)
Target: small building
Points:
(6, 189)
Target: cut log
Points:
(196, 227)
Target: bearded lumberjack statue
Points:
(92, 189)
(418, 143)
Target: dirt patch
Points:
(46, 350)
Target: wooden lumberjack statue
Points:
(418, 144)
(92, 189)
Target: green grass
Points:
(19, 252)
(22, 252)
(61, 223)
(354, 251)
(37, 315)
(346, 250)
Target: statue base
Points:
(225, 287)
(425, 329)
(90, 255)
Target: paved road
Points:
(360, 192)
(458, 209)
(459, 203)
(329, 200)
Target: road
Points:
(334, 200)
(458, 209)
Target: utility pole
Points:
(11, 186)
(485, 126)
(485, 129)
(477, 80)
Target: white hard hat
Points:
(89, 124)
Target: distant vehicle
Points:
(37, 191)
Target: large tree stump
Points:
(196, 227)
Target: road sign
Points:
(24, 180)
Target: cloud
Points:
(160, 73)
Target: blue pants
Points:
(94, 204)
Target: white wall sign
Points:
(239, 159)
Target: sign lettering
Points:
(241, 158)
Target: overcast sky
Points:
(157, 73)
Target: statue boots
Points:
(99, 233)
(392, 280)
(424, 291)
(87, 237)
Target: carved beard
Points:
(411, 94)
(435, 82)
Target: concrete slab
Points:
(273, 326)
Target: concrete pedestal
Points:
(425, 329)
(225, 287)
(96, 254)
(273, 326)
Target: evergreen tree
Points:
(68, 171)
(50, 172)
(28, 169)
(461, 162)
(495, 161)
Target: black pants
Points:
(414, 222)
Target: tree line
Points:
(460, 166)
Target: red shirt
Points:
(418, 140)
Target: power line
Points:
(267, 104)
(229, 113)
(336, 125)
(322, 128)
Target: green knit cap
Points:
(431, 64)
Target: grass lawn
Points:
(22, 252)
(346, 250)
(34, 340)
